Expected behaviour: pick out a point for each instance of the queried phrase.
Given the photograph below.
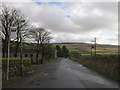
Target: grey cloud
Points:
(92, 21)
(54, 18)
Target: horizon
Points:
(73, 21)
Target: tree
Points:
(7, 21)
(10, 17)
(48, 51)
(21, 30)
(41, 37)
(65, 51)
(58, 50)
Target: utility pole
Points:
(82, 44)
(95, 46)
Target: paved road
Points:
(64, 74)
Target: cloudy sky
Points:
(74, 21)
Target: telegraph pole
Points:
(82, 44)
(95, 46)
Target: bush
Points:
(15, 66)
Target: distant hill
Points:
(83, 48)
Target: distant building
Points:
(26, 53)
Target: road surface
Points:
(63, 74)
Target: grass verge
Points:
(17, 58)
(14, 78)
(106, 65)
(50, 61)
(11, 80)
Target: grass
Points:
(99, 53)
(106, 65)
(86, 54)
(15, 67)
(11, 79)
(84, 48)
(15, 77)
(107, 53)
(50, 61)
(16, 58)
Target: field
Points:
(106, 61)
(85, 48)
(106, 65)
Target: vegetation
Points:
(42, 37)
(16, 59)
(48, 51)
(65, 51)
(59, 51)
(62, 52)
(12, 79)
(15, 66)
(106, 61)
(85, 48)
(106, 65)
(50, 61)
(12, 20)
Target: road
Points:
(63, 74)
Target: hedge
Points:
(15, 66)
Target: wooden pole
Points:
(95, 46)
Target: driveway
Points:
(63, 74)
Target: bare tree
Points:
(41, 37)
(21, 24)
(10, 17)
(7, 20)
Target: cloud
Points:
(90, 17)
(71, 21)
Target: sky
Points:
(73, 21)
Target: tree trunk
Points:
(3, 48)
(16, 49)
(41, 53)
(37, 55)
(6, 46)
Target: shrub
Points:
(15, 66)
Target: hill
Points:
(85, 48)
